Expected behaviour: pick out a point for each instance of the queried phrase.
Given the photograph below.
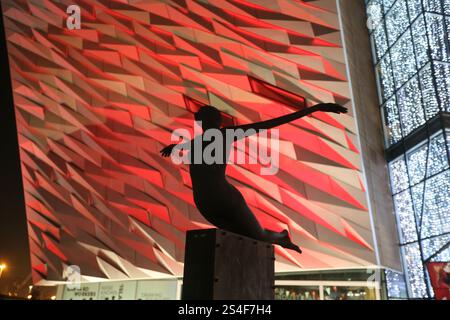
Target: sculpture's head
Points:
(209, 116)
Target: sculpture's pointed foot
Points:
(293, 247)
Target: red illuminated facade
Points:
(94, 106)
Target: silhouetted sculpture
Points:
(219, 201)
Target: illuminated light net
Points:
(412, 66)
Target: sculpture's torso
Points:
(213, 194)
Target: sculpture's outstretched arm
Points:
(268, 124)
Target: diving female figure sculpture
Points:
(218, 200)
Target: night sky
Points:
(14, 249)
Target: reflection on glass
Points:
(297, 293)
(329, 293)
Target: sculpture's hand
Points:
(167, 151)
(330, 107)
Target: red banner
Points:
(440, 279)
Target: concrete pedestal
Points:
(222, 265)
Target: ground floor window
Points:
(297, 293)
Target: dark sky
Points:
(13, 234)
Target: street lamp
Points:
(2, 267)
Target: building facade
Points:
(95, 105)
(411, 56)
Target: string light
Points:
(410, 109)
(414, 270)
(394, 283)
(403, 60)
(405, 213)
(413, 70)
(396, 21)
